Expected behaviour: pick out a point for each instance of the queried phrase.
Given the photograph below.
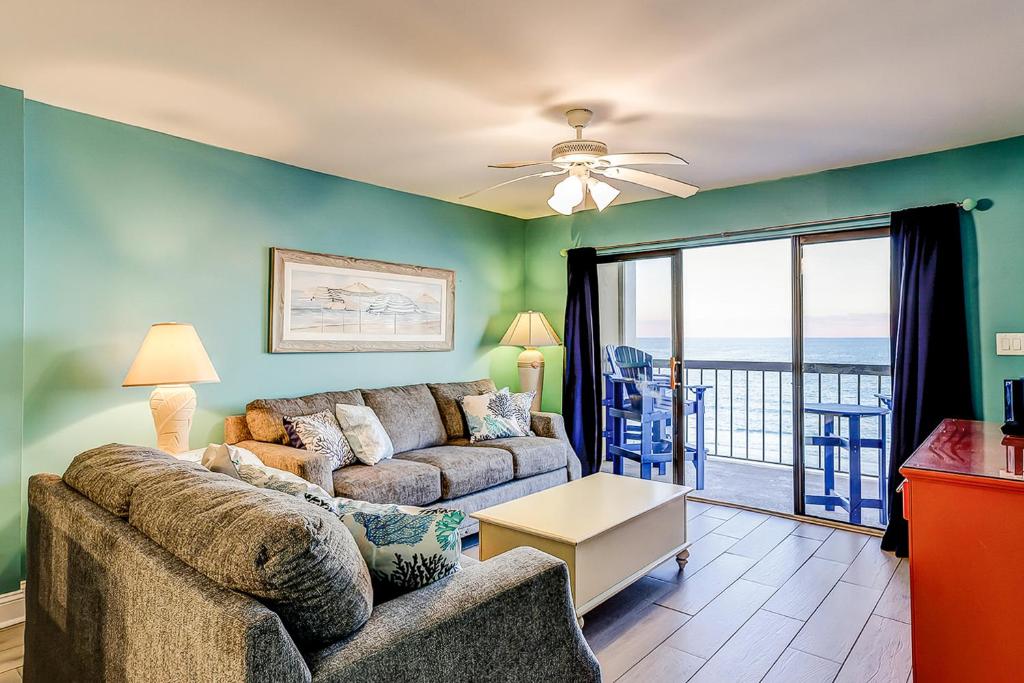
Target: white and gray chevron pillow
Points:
(321, 433)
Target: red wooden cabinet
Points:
(966, 521)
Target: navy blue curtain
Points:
(928, 337)
(581, 400)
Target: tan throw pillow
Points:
(369, 441)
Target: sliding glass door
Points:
(641, 342)
(737, 349)
(783, 401)
(843, 349)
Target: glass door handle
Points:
(673, 378)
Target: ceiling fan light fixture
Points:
(559, 204)
(603, 193)
(568, 194)
(582, 157)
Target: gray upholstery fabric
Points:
(264, 416)
(296, 557)
(409, 415)
(552, 426)
(465, 470)
(107, 475)
(447, 398)
(313, 467)
(502, 493)
(530, 454)
(105, 603)
(507, 619)
(403, 482)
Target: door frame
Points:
(675, 256)
(798, 242)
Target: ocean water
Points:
(748, 412)
(858, 350)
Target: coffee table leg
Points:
(579, 620)
(682, 558)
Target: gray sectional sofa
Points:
(143, 567)
(434, 464)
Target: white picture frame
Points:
(323, 303)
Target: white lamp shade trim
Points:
(530, 329)
(171, 353)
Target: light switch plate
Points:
(1010, 344)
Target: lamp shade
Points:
(530, 329)
(171, 353)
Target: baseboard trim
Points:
(12, 607)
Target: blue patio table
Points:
(853, 443)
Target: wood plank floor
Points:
(762, 598)
(12, 652)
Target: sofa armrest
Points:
(510, 618)
(313, 467)
(552, 426)
(236, 429)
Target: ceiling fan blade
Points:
(631, 158)
(518, 164)
(651, 180)
(543, 174)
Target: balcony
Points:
(749, 431)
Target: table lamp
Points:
(171, 358)
(531, 329)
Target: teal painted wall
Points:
(994, 237)
(108, 228)
(126, 227)
(12, 233)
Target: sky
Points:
(743, 290)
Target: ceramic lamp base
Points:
(173, 406)
(531, 374)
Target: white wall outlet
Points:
(1009, 344)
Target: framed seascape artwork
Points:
(325, 303)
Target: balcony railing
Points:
(749, 409)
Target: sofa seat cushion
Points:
(297, 558)
(265, 416)
(464, 470)
(409, 415)
(530, 454)
(402, 482)
(447, 397)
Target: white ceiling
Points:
(420, 96)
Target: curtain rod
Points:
(966, 204)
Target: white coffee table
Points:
(610, 530)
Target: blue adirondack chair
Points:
(638, 414)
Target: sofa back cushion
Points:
(447, 397)
(108, 475)
(295, 557)
(265, 416)
(409, 415)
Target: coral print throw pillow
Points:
(404, 547)
(494, 416)
(320, 433)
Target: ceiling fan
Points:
(583, 159)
